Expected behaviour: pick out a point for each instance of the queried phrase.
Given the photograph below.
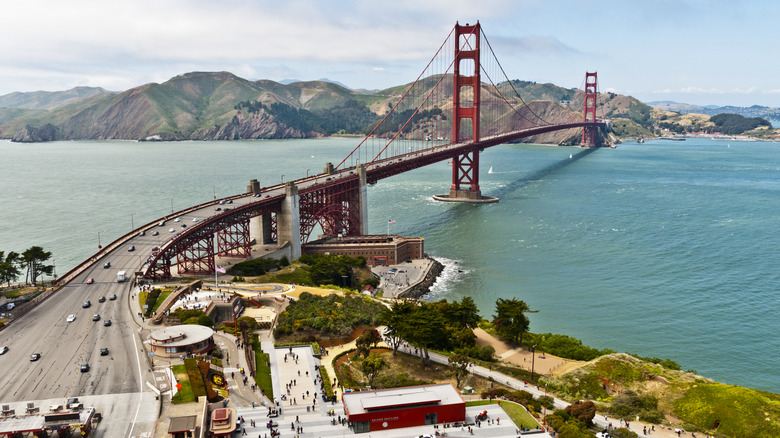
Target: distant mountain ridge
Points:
(713, 110)
(49, 100)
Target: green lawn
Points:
(185, 394)
(263, 376)
(515, 411)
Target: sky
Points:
(691, 51)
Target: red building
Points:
(370, 411)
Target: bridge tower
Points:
(465, 108)
(589, 110)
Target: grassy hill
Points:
(222, 106)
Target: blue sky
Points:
(693, 51)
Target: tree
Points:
(464, 313)
(371, 366)
(365, 341)
(583, 411)
(394, 319)
(459, 364)
(9, 267)
(34, 257)
(510, 320)
(248, 322)
(426, 327)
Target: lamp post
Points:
(99, 246)
(132, 223)
(171, 205)
(307, 173)
(282, 179)
(533, 356)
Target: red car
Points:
(90, 280)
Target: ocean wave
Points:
(452, 274)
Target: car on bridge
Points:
(4, 350)
(112, 297)
(71, 318)
(96, 317)
(106, 265)
(172, 230)
(161, 224)
(132, 248)
(90, 280)
(104, 351)
(107, 323)
(86, 304)
(177, 219)
(102, 300)
(84, 367)
(156, 233)
(35, 356)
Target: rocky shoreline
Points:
(424, 286)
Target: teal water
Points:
(662, 249)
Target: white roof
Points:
(396, 398)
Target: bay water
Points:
(665, 249)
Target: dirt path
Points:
(543, 363)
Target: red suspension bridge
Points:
(460, 104)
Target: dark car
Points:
(107, 322)
(132, 248)
(84, 367)
(104, 351)
(106, 265)
(112, 297)
(156, 233)
(102, 300)
(86, 304)
(35, 356)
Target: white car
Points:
(194, 219)
(177, 219)
(172, 230)
(71, 318)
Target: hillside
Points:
(222, 106)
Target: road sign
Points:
(151, 353)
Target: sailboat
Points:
(490, 170)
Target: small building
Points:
(370, 411)
(179, 340)
(223, 422)
(382, 249)
(182, 427)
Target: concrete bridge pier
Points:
(260, 229)
(288, 222)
